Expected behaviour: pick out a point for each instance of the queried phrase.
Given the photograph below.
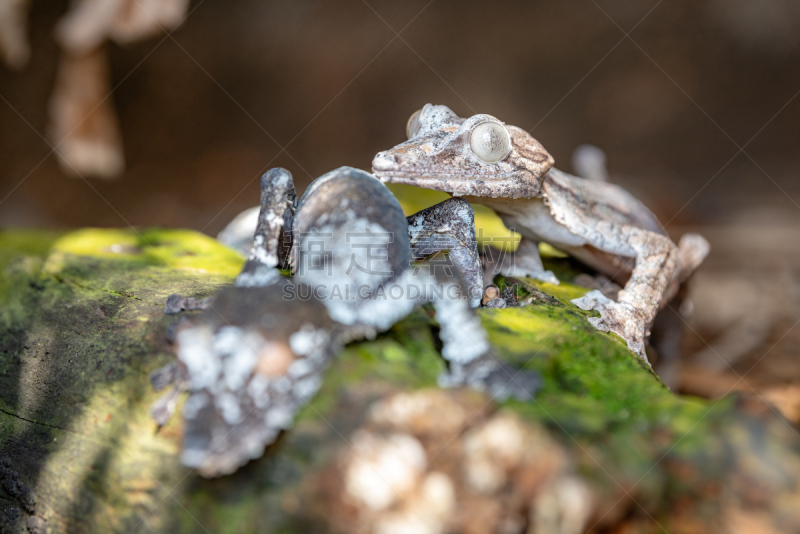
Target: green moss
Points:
(174, 249)
(31, 243)
(22, 254)
(81, 323)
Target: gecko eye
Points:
(413, 125)
(490, 141)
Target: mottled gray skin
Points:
(599, 223)
(258, 354)
(449, 225)
(272, 239)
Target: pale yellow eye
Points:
(412, 126)
(490, 141)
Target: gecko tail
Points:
(692, 250)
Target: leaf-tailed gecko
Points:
(486, 161)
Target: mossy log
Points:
(604, 446)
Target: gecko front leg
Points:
(607, 232)
(449, 225)
(471, 360)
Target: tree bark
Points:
(605, 445)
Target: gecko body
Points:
(483, 160)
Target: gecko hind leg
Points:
(621, 318)
(632, 315)
(692, 251)
(471, 360)
(524, 262)
(178, 303)
(449, 225)
(272, 241)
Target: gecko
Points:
(258, 350)
(485, 161)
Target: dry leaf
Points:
(84, 125)
(143, 18)
(90, 22)
(14, 47)
(83, 120)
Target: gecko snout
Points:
(385, 161)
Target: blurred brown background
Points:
(203, 115)
(204, 111)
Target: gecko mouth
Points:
(402, 177)
(448, 183)
(387, 166)
(462, 185)
(441, 182)
(454, 184)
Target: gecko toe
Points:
(507, 382)
(617, 317)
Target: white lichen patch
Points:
(388, 304)
(193, 457)
(492, 474)
(280, 417)
(240, 363)
(258, 389)
(382, 468)
(300, 368)
(282, 386)
(491, 451)
(307, 387)
(307, 339)
(424, 510)
(564, 507)
(228, 406)
(195, 351)
(194, 404)
(416, 225)
(266, 251)
(227, 340)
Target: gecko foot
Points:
(506, 382)
(499, 380)
(618, 317)
(178, 303)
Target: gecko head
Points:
(479, 156)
